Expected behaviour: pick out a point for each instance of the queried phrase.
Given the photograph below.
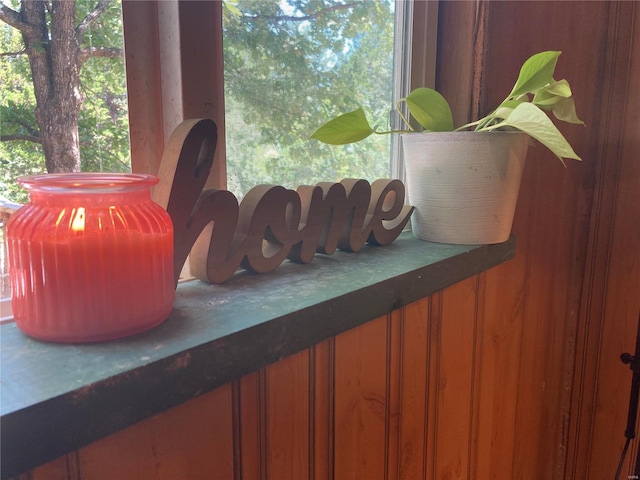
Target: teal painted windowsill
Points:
(57, 398)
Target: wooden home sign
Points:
(272, 223)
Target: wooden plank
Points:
(360, 402)
(193, 441)
(144, 85)
(174, 71)
(202, 73)
(611, 298)
(499, 338)
(322, 410)
(434, 326)
(455, 380)
(413, 391)
(394, 393)
(287, 418)
(62, 468)
(251, 402)
(455, 68)
(558, 202)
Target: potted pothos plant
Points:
(464, 181)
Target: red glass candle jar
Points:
(90, 257)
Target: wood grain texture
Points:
(214, 336)
(201, 70)
(531, 306)
(142, 56)
(414, 370)
(361, 402)
(193, 442)
(174, 72)
(288, 419)
(511, 374)
(322, 407)
(560, 278)
(455, 386)
(455, 58)
(394, 394)
(611, 290)
(250, 455)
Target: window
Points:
(181, 42)
(288, 67)
(175, 71)
(102, 120)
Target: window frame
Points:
(174, 71)
(414, 64)
(174, 64)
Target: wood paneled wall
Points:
(394, 398)
(579, 233)
(512, 374)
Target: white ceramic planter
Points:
(464, 185)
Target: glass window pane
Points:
(103, 129)
(289, 67)
(102, 122)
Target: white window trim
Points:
(415, 21)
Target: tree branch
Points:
(104, 52)
(13, 54)
(11, 17)
(92, 16)
(19, 136)
(22, 124)
(14, 19)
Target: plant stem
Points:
(404, 119)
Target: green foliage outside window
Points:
(292, 63)
(288, 64)
(103, 122)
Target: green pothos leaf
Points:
(534, 92)
(506, 107)
(347, 128)
(565, 110)
(561, 88)
(552, 93)
(536, 72)
(430, 109)
(529, 119)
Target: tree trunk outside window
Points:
(52, 44)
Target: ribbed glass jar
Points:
(90, 257)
